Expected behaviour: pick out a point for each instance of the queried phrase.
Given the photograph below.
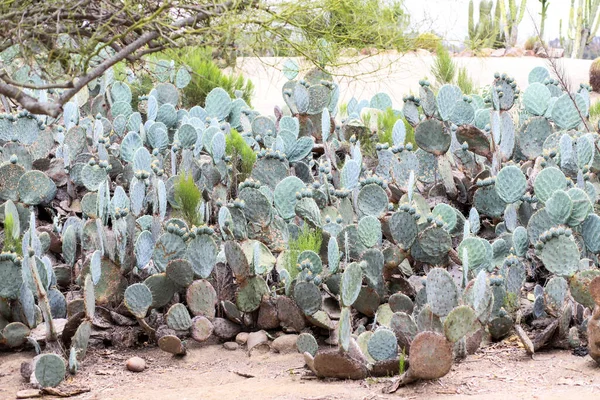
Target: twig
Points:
(59, 393)
(242, 374)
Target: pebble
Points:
(28, 394)
(231, 345)
(241, 338)
(136, 364)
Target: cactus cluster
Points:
(425, 248)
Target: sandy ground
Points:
(210, 372)
(396, 75)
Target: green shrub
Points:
(428, 41)
(385, 123)
(530, 42)
(464, 81)
(187, 196)
(595, 113)
(206, 76)
(243, 157)
(11, 245)
(308, 239)
(443, 68)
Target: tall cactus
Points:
(512, 18)
(485, 32)
(544, 14)
(583, 25)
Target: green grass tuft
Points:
(464, 81)
(188, 196)
(241, 152)
(308, 239)
(11, 245)
(443, 68)
(595, 113)
(385, 125)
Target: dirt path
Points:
(210, 372)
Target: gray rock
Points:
(241, 338)
(285, 344)
(225, 329)
(335, 364)
(291, 317)
(267, 315)
(231, 345)
(258, 342)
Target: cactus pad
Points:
(560, 255)
(459, 323)
(138, 299)
(548, 181)
(511, 184)
(250, 293)
(50, 370)
(201, 298)
(383, 345)
(178, 318)
(559, 207)
(432, 136)
(442, 293)
(36, 188)
(306, 343)
(435, 241)
(351, 284)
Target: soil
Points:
(501, 371)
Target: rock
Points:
(29, 394)
(56, 172)
(465, 53)
(39, 333)
(474, 341)
(26, 370)
(135, 364)
(514, 52)
(529, 53)
(386, 368)
(321, 319)
(335, 364)
(231, 345)
(258, 342)
(122, 320)
(368, 51)
(241, 338)
(225, 329)
(551, 53)
(498, 53)
(486, 52)
(285, 344)
(291, 317)
(267, 315)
